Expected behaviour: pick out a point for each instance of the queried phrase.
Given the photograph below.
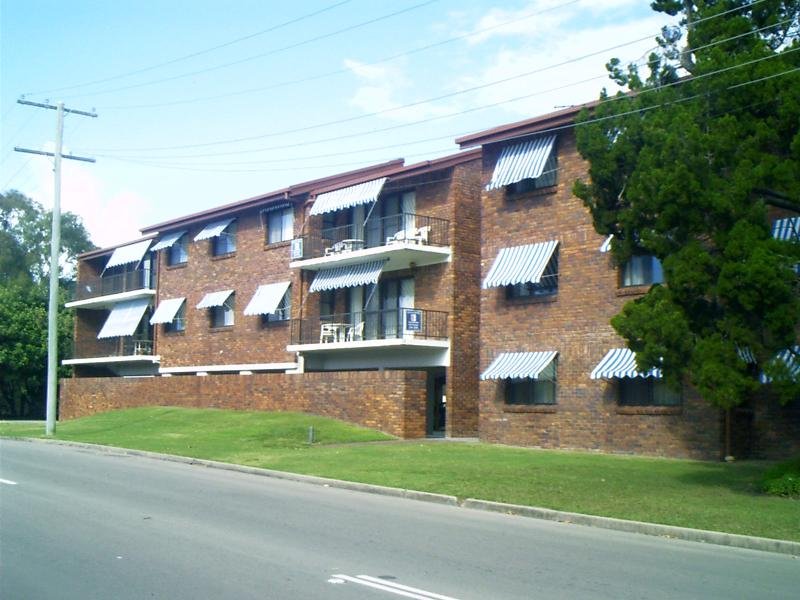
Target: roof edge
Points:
(538, 124)
(109, 249)
(280, 194)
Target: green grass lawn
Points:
(704, 495)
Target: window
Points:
(548, 178)
(225, 242)
(643, 269)
(530, 392)
(640, 391)
(326, 303)
(178, 323)
(177, 253)
(222, 316)
(283, 312)
(547, 286)
(280, 225)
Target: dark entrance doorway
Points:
(437, 403)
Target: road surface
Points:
(78, 524)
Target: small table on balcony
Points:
(333, 332)
(348, 245)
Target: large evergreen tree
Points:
(690, 162)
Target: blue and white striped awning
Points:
(124, 318)
(213, 299)
(354, 195)
(213, 230)
(520, 365)
(525, 160)
(791, 358)
(132, 253)
(619, 363)
(606, 245)
(266, 299)
(520, 264)
(787, 229)
(168, 240)
(347, 276)
(166, 311)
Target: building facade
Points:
(464, 296)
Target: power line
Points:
(345, 70)
(544, 131)
(257, 56)
(193, 54)
(474, 109)
(420, 102)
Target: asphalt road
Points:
(75, 524)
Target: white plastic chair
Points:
(356, 332)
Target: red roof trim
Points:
(526, 127)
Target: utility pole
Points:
(55, 247)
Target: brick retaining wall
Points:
(391, 401)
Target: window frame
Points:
(644, 392)
(228, 236)
(182, 244)
(218, 315)
(282, 214)
(634, 272)
(548, 178)
(178, 323)
(542, 391)
(283, 312)
(546, 288)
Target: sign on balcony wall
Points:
(412, 321)
(296, 251)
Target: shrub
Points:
(783, 479)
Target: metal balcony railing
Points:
(382, 231)
(113, 284)
(402, 323)
(122, 346)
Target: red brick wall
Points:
(254, 263)
(392, 401)
(575, 323)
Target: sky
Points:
(202, 103)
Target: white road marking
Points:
(8, 482)
(391, 587)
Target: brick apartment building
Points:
(468, 295)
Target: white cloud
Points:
(110, 216)
(541, 85)
(380, 88)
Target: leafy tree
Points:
(689, 163)
(24, 270)
(25, 239)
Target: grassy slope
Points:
(704, 495)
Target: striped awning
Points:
(606, 245)
(519, 365)
(124, 318)
(213, 230)
(132, 253)
(266, 299)
(791, 358)
(525, 160)
(620, 363)
(786, 229)
(166, 311)
(354, 195)
(347, 276)
(520, 264)
(213, 299)
(168, 240)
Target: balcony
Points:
(115, 351)
(104, 291)
(402, 240)
(398, 338)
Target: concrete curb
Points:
(670, 531)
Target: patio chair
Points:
(356, 332)
(327, 333)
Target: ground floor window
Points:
(640, 391)
(531, 391)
